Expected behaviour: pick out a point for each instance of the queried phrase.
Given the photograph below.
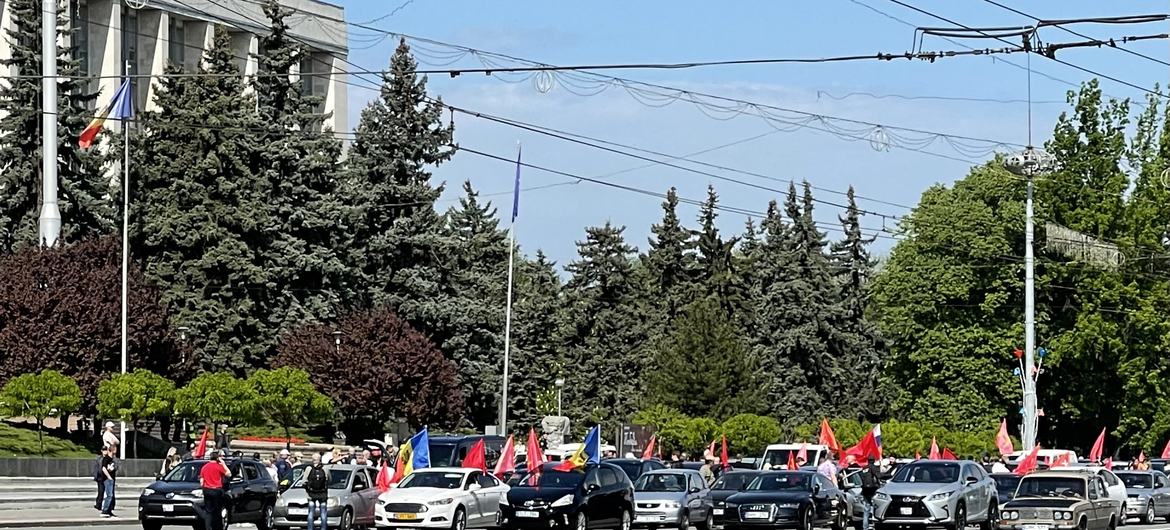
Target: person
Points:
(223, 440)
(986, 461)
(706, 472)
(1141, 464)
(100, 478)
(326, 455)
(109, 474)
(283, 466)
(829, 469)
(875, 472)
(190, 454)
(212, 476)
(869, 485)
(349, 457)
(1000, 466)
(363, 459)
(317, 488)
(109, 439)
(169, 463)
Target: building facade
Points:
(145, 36)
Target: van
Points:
(776, 455)
(449, 451)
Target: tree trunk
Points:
(40, 435)
(134, 423)
(287, 439)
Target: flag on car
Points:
(121, 107)
(802, 454)
(412, 455)
(791, 462)
(877, 438)
(588, 453)
(201, 449)
(649, 452)
(934, 454)
(1029, 463)
(1003, 442)
(867, 448)
(724, 462)
(827, 438)
(948, 455)
(1098, 447)
(476, 456)
(383, 481)
(507, 461)
(1063, 460)
(1166, 450)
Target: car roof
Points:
(735, 471)
(447, 470)
(811, 447)
(1004, 475)
(1136, 472)
(347, 467)
(1062, 473)
(455, 438)
(789, 472)
(671, 471)
(939, 461)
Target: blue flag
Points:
(516, 189)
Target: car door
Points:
(359, 496)
(241, 501)
(490, 490)
(703, 497)
(255, 492)
(594, 504)
(985, 489)
(1161, 493)
(613, 494)
(474, 497)
(1101, 508)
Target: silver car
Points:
(352, 499)
(672, 498)
(1149, 495)
(948, 493)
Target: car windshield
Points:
(778, 457)
(1137, 480)
(928, 472)
(733, 481)
(1051, 487)
(185, 472)
(632, 469)
(673, 482)
(442, 454)
(448, 481)
(1006, 483)
(780, 482)
(550, 478)
(338, 478)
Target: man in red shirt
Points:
(212, 476)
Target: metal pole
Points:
(1029, 434)
(559, 413)
(508, 328)
(125, 250)
(50, 219)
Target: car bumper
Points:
(775, 518)
(296, 517)
(1136, 507)
(656, 517)
(432, 518)
(537, 518)
(1036, 525)
(912, 511)
(151, 509)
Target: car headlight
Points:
(442, 502)
(567, 500)
(147, 491)
(940, 496)
(1067, 516)
(670, 505)
(198, 494)
(732, 505)
(881, 496)
(787, 505)
(1012, 515)
(333, 502)
(720, 504)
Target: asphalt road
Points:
(133, 525)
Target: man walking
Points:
(109, 469)
(211, 478)
(100, 478)
(109, 439)
(317, 488)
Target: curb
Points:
(68, 523)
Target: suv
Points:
(597, 496)
(177, 499)
(634, 467)
(951, 493)
(449, 451)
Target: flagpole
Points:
(508, 310)
(125, 249)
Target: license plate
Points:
(755, 515)
(168, 508)
(906, 511)
(405, 516)
(646, 518)
(527, 514)
(718, 511)
(298, 511)
(1035, 527)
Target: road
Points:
(133, 525)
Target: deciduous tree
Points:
(285, 396)
(136, 396)
(39, 396)
(218, 397)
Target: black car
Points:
(635, 467)
(1005, 486)
(598, 496)
(786, 499)
(729, 484)
(177, 499)
(449, 451)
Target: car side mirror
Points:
(971, 480)
(816, 488)
(695, 490)
(473, 487)
(593, 487)
(359, 487)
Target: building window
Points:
(79, 33)
(316, 85)
(129, 40)
(176, 42)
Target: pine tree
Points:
(670, 262)
(301, 168)
(84, 190)
(716, 264)
(538, 323)
(200, 212)
(475, 336)
(606, 335)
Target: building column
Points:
(200, 35)
(105, 36)
(155, 27)
(245, 46)
(336, 97)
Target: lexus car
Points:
(351, 499)
(1149, 495)
(672, 498)
(1060, 500)
(948, 493)
(786, 499)
(595, 496)
(177, 498)
(442, 497)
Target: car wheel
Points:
(1148, 517)
(627, 520)
(1112, 523)
(267, 519)
(459, 522)
(582, 522)
(841, 523)
(806, 519)
(684, 521)
(709, 522)
(992, 521)
(1121, 519)
(347, 520)
(960, 518)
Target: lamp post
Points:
(337, 341)
(1029, 163)
(560, 382)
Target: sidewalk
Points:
(68, 517)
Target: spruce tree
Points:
(200, 213)
(670, 262)
(606, 335)
(716, 264)
(538, 324)
(300, 167)
(85, 196)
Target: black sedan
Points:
(177, 499)
(598, 496)
(730, 483)
(786, 499)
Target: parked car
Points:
(728, 484)
(1158, 464)
(296, 473)
(177, 498)
(950, 493)
(352, 496)
(597, 496)
(786, 499)
(635, 467)
(442, 497)
(850, 483)
(1060, 499)
(449, 451)
(1115, 489)
(1005, 486)
(672, 498)
(1149, 495)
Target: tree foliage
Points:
(39, 396)
(286, 397)
(135, 396)
(217, 397)
(748, 434)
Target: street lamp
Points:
(337, 340)
(560, 382)
(1029, 163)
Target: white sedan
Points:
(442, 497)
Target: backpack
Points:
(317, 480)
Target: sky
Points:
(572, 33)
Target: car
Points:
(1005, 486)
(635, 467)
(594, 496)
(449, 451)
(728, 484)
(1060, 499)
(776, 455)
(295, 474)
(672, 498)
(786, 499)
(1115, 489)
(1158, 464)
(442, 497)
(849, 481)
(950, 493)
(352, 496)
(1149, 495)
(177, 499)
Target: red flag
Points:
(948, 455)
(827, 438)
(934, 454)
(1002, 441)
(649, 452)
(791, 462)
(711, 449)
(383, 478)
(201, 449)
(1028, 463)
(1109, 463)
(724, 462)
(866, 448)
(476, 457)
(399, 468)
(917, 455)
(535, 455)
(803, 453)
(507, 461)
(1166, 450)
(1098, 448)
(1062, 460)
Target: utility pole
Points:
(50, 219)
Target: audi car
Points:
(786, 499)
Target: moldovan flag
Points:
(383, 482)
(412, 455)
(827, 438)
(1098, 447)
(934, 454)
(588, 453)
(649, 452)
(507, 461)
(476, 457)
(1003, 442)
(120, 108)
(1028, 463)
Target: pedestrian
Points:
(349, 457)
(317, 488)
(270, 467)
(706, 471)
(211, 478)
(109, 439)
(169, 462)
(223, 440)
(363, 459)
(1000, 466)
(190, 454)
(828, 469)
(100, 478)
(109, 474)
(1141, 464)
(327, 455)
(283, 466)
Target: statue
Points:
(554, 429)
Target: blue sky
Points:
(553, 219)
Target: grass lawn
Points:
(15, 441)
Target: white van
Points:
(776, 455)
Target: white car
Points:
(442, 497)
(1113, 485)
